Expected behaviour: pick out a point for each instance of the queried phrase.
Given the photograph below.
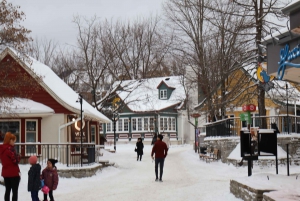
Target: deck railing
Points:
(233, 126)
(66, 153)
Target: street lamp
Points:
(287, 108)
(195, 115)
(81, 122)
(115, 118)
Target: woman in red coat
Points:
(50, 177)
(10, 167)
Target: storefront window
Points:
(120, 125)
(139, 124)
(133, 124)
(125, 124)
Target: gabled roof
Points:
(56, 87)
(144, 96)
(163, 82)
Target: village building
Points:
(283, 47)
(275, 102)
(148, 106)
(50, 115)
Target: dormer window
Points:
(163, 94)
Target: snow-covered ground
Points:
(185, 178)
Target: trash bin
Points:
(202, 150)
(91, 154)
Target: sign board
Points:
(246, 116)
(75, 132)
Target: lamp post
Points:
(195, 116)
(81, 134)
(287, 108)
(114, 119)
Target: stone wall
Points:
(227, 144)
(245, 192)
(79, 172)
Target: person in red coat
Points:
(160, 150)
(10, 168)
(50, 177)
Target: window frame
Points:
(163, 94)
(31, 131)
(93, 126)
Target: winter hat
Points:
(160, 137)
(53, 161)
(32, 160)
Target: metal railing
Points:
(233, 126)
(66, 153)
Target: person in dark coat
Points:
(154, 139)
(160, 150)
(10, 168)
(34, 182)
(50, 177)
(139, 149)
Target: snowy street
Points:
(185, 178)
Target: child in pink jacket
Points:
(50, 177)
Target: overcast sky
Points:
(53, 19)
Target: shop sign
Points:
(76, 134)
(285, 57)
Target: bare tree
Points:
(43, 50)
(15, 36)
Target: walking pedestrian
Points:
(139, 149)
(34, 182)
(154, 139)
(160, 150)
(166, 140)
(10, 167)
(50, 177)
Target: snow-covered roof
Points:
(22, 106)
(278, 33)
(144, 95)
(56, 87)
(291, 7)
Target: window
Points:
(146, 124)
(151, 124)
(167, 124)
(140, 124)
(120, 125)
(126, 124)
(161, 123)
(10, 126)
(163, 94)
(93, 133)
(133, 124)
(108, 127)
(31, 128)
(173, 124)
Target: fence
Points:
(65, 153)
(233, 126)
